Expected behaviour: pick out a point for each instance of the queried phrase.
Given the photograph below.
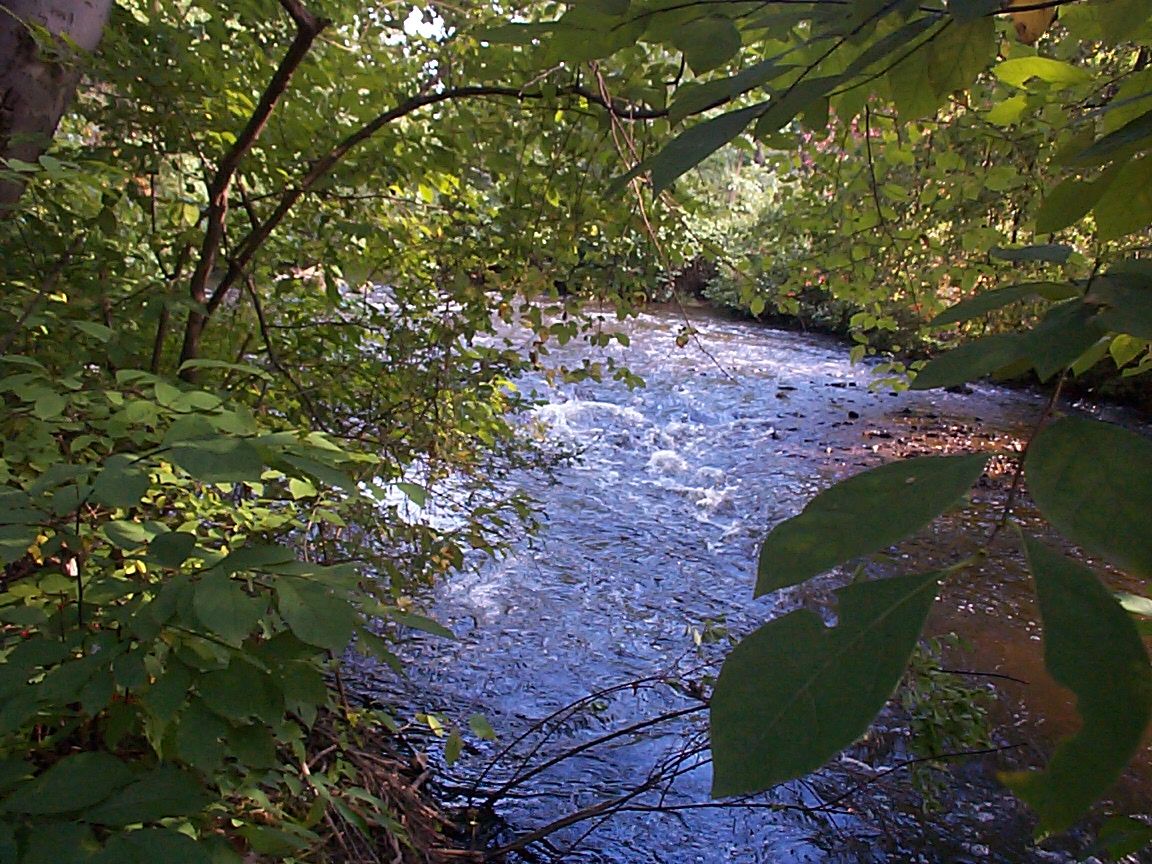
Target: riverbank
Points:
(1103, 382)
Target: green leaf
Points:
(168, 693)
(1125, 206)
(199, 735)
(708, 42)
(1134, 604)
(219, 460)
(895, 42)
(515, 34)
(73, 783)
(1048, 253)
(1120, 836)
(130, 535)
(794, 693)
(693, 146)
(415, 493)
(1120, 20)
(241, 692)
(164, 792)
(1125, 301)
(1019, 70)
(122, 481)
(255, 557)
(1066, 204)
(315, 615)
(59, 843)
(949, 61)
(988, 301)
(865, 513)
(1136, 133)
(694, 97)
(253, 744)
(1008, 111)
(301, 489)
(151, 846)
(969, 361)
(1063, 335)
(171, 549)
(225, 607)
(244, 368)
(275, 841)
(796, 99)
(1093, 481)
(453, 746)
(421, 622)
(49, 406)
(1092, 648)
(481, 728)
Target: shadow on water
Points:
(645, 567)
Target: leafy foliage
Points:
(272, 283)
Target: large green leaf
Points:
(219, 460)
(1093, 481)
(153, 845)
(59, 843)
(693, 97)
(693, 146)
(224, 606)
(795, 100)
(865, 513)
(163, 792)
(1126, 205)
(122, 481)
(73, 783)
(708, 42)
(171, 549)
(794, 693)
(1126, 302)
(1136, 133)
(1068, 203)
(989, 301)
(1092, 648)
(241, 692)
(1047, 253)
(315, 615)
(1063, 335)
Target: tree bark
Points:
(40, 64)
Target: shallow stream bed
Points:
(645, 566)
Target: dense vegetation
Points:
(274, 279)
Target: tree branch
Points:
(308, 27)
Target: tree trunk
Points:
(39, 71)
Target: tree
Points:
(43, 44)
(242, 299)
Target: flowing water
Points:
(646, 563)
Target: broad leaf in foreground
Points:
(1092, 648)
(864, 514)
(969, 361)
(989, 301)
(1093, 481)
(794, 693)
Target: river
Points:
(645, 567)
